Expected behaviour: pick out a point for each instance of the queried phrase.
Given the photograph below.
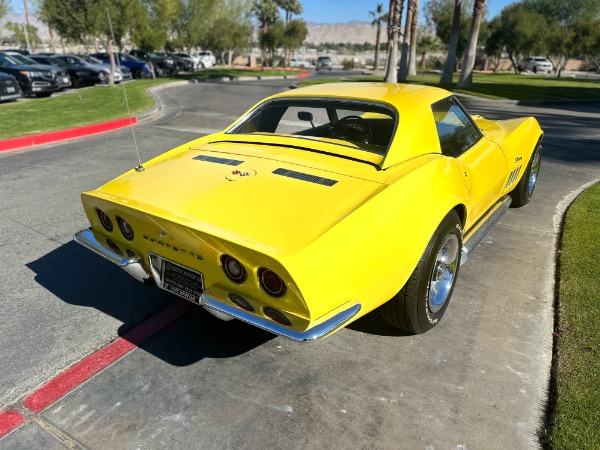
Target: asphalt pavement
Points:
(477, 380)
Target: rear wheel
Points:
(422, 301)
(523, 191)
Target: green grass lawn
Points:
(97, 104)
(504, 86)
(576, 419)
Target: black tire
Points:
(411, 309)
(523, 191)
(138, 74)
(43, 94)
(534, 69)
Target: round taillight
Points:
(125, 228)
(104, 220)
(240, 301)
(115, 248)
(271, 282)
(233, 269)
(276, 316)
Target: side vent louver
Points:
(304, 177)
(513, 176)
(214, 159)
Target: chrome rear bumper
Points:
(133, 267)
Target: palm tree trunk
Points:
(452, 46)
(403, 70)
(377, 41)
(412, 60)
(466, 74)
(395, 15)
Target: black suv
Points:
(81, 76)
(163, 65)
(34, 79)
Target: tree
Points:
(453, 39)
(517, 31)
(395, 16)
(290, 7)
(270, 41)
(564, 12)
(152, 27)
(193, 22)
(267, 13)
(77, 20)
(231, 29)
(425, 43)
(294, 34)
(586, 40)
(414, 27)
(17, 34)
(378, 16)
(466, 74)
(403, 69)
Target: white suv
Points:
(536, 64)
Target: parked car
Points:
(81, 76)
(122, 73)
(182, 64)
(34, 79)
(324, 62)
(207, 59)
(300, 63)
(163, 64)
(195, 59)
(61, 74)
(535, 64)
(9, 88)
(320, 205)
(139, 69)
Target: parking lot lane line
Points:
(9, 420)
(74, 376)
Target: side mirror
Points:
(306, 117)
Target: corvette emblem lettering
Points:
(236, 175)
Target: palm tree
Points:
(378, 16)
(403, 69)
(466, 74)
(426, 44)
(395, 16)
(412, 60)
(452, 46)
(290, 7)
(267, 13)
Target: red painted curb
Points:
(53, 136)
(73, 377)
(9, 420)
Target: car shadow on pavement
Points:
(78, 277)
(373, 323)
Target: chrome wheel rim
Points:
(535, 169)
(444, 273)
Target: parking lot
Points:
(478, 380)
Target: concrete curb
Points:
(88, 130)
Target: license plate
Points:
(10, 90)
(182, 281)
(65, 80)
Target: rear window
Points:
(364, 125)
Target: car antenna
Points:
(140, 167)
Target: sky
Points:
(337, 11)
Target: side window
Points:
(456, 131)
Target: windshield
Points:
(22, 59)
(365, 126)
(7, 60)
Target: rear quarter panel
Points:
(370, 254)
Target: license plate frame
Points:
(181, 280)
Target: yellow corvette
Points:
(320, 205)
